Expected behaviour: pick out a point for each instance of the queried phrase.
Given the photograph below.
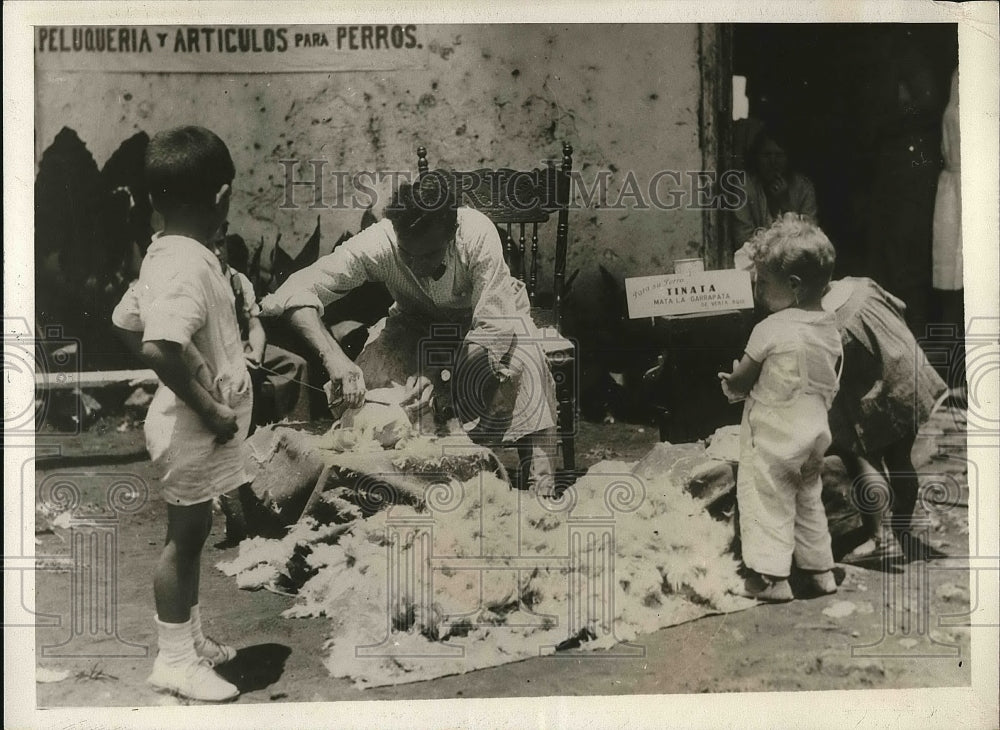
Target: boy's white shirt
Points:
(183, 296)
(222, 379)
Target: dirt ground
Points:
(887, 627)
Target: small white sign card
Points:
(702, 292)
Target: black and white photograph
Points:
(572, 366)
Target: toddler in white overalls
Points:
(789, 377)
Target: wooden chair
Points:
(521, 203)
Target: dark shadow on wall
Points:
(91, 227)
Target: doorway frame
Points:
(715, 124)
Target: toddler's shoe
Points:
(865, 551)
(769, 590)
(215, 652)
(873, 549)
(196, 681)
(823, 584)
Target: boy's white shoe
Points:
(194, 680)
(215, 652)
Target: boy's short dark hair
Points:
(427, 207)
(237, 252)
(185, 167)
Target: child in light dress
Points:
(789, 377)
(887, 392)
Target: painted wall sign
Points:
(228, 49)
(669, 294)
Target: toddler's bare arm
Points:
(742, 379)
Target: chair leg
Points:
(567, 433)
(569, 453)
(564, 373)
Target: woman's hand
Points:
(776, 190)
(778, 186)
(418, 397)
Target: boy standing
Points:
(180, 317)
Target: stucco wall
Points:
(626, 97)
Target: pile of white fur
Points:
(480, 575)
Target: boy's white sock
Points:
(196, 633)
(206, 647)
(176, 644)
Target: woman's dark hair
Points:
(429, 206)
(763, 136)
(186, 166)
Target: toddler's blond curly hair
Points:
(795, 246)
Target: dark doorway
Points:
(833, 92)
